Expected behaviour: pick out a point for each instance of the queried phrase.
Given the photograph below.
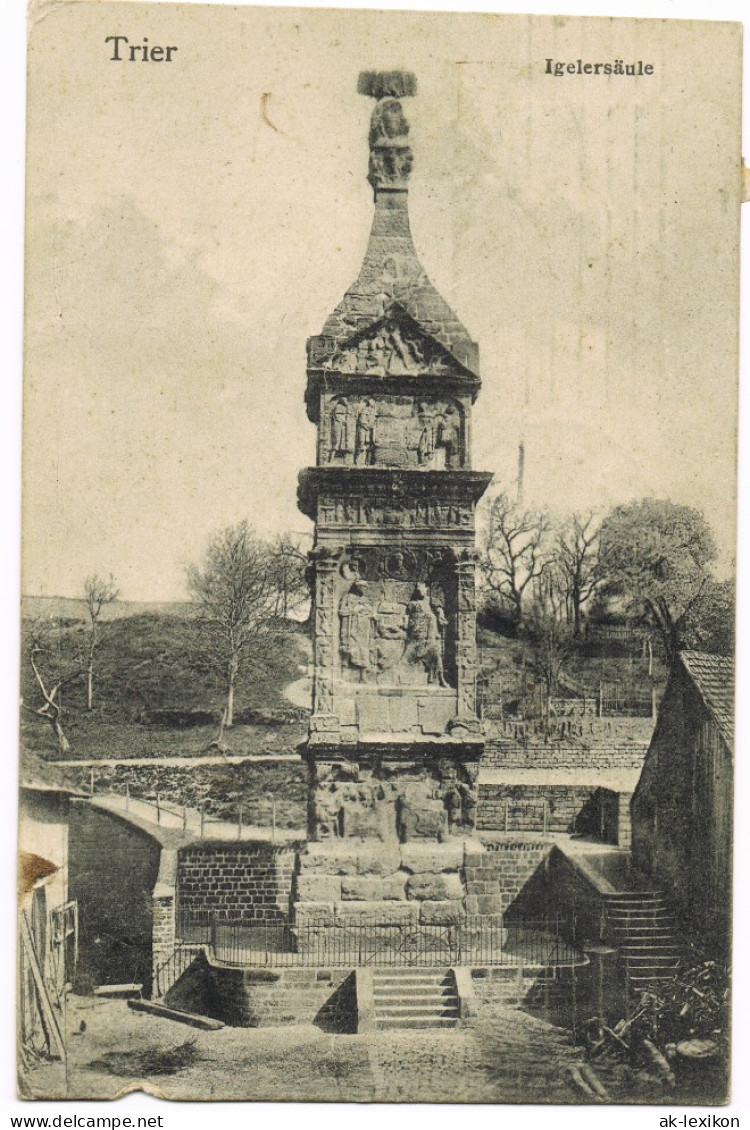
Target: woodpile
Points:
(693, 1006)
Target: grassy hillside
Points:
(155, 696)
(68, 608)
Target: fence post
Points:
(545, 816)
(158, 808)
(202, 819)
(273, 820)
(507, 814)
(600, 698)
(184, 818)
(127, 796)
(653, 702)
(91, 783)
(239, 824)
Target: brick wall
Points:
(525, 807)
(163, 920)
(260, 998)
(499, 756)
(242, 882)
(553, 994)
(494, 878)
(584, 732)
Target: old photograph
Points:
(378, 580)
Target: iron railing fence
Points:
(479, 940)
(172, 969)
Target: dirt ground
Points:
(509, 1058)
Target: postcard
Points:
(379, 518)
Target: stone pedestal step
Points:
(631, 925)
(636, 964)
(415, 998)
(420, 1008)
(634, 896)
(418, 1022)
(640, 946)
(642, 926)
(412, 992)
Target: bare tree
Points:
(288, 572)
(235, 595)
(577, 555)
(98, 592)
(513, 551)
(49, 679)
(547, 625)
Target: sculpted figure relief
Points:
(393, 430)
(449, 437)
(357, 623)
(425, 635)
(388, 122)
(364, 447)
(390, 348)
(340, 428)
(426, 445)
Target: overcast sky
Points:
(190, 224)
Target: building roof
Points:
(713, 678)
(31, 869)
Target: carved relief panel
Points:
(396, 613)
(393, 347)
(393, 431)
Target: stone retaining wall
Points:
(521, 808)
(262, 998)
(554, 994)
(248, 882)
(500, 756)
(495, 877)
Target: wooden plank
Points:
(206, 1023)
(49, 1017)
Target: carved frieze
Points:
(393, 431)
(428, 513)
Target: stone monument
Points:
(395, 743)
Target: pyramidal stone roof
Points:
(391, 272)
(713, 677)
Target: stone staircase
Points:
(411, 997)
(643, 928)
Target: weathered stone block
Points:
(418, 857)
(324, 724)
(432, 887)
(364, 823)
(426, 821)
(313, 914)
(486, 904)
(446, 912)
(318, 888)
(403, 713)
(341, 857)
(434, 713)
(371, 888)
(372, 714)
(376, 913)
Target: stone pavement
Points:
(510, 1057)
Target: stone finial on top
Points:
(390, 152)
(387, 84)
